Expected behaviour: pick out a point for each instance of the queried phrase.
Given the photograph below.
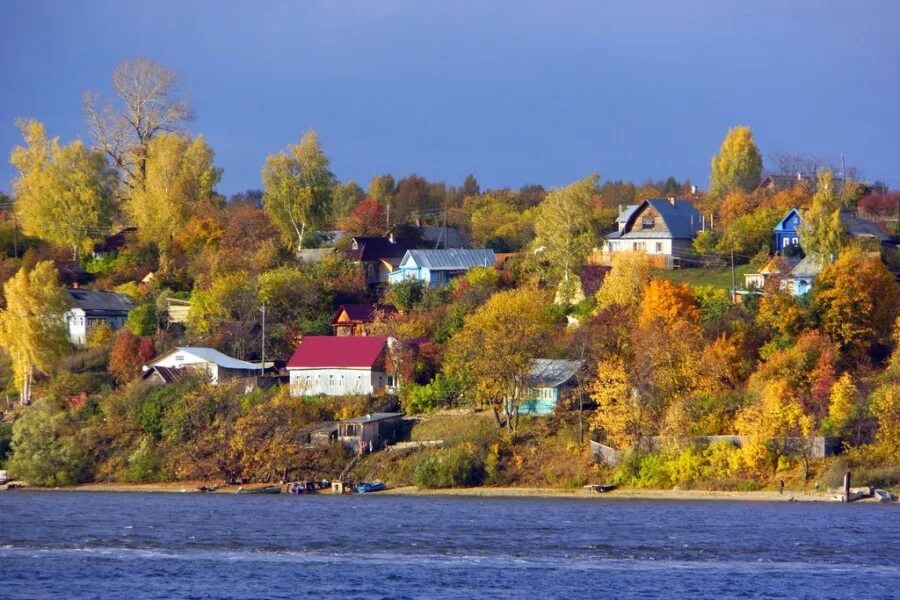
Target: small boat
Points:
(367, 487)
(304, 487)
(266, 489)
(600, 488)
(883, 496)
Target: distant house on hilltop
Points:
(339, 365)
(663, 227)
(351, 319)
(787, 230)
(437, 267)
(90, 308)
(777, 267)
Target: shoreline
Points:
(190, 487)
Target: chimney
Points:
(672, 200)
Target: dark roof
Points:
(319, 351)
(681, 218)
(373, 418)
(169, 374)
(115, 242)
(368, 249)
(862, 228)
(443, 237)
(363, 313)
(100, 303)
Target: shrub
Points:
(144, 464)
(442, 391)
(142, 320)
(451, 467)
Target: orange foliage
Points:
(665, 301)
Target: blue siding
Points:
(787, 231)
(543, 402)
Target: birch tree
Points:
(149, 103)
(821, 230)
(32, 328)
(64, 194)
(738, 165)
(297, 188)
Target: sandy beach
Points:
(491, 492)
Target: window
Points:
(785, 242)
(795, 241)
(648, 223)
(331, 381)
(659, 247)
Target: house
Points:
(549, 381)
(777, 267)
(185, 361)
(115, 242)
(339, 365)
(371, 432)
(378, 255)
(787, 231)
(437, 267)
(663, 227)
(802, 276)
(351, 319)
(90, 308)
(442, 237)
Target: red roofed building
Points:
(339, 365)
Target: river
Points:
(143, 545)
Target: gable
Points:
(790, 222)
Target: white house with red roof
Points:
(339, 365)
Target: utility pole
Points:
(733, 282)
(843, 178)
(262, 364)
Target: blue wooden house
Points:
(787, 232)
(549, 381)
(437, 267)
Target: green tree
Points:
(563, 226)
(297, 188)
(821, 230)
(32, 329)
(738, 165)
(64, 194)
(229, 300)
(178, 174)
(46, 449)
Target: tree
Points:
(821, 231)
(46, 450)
(857, 300)
(738, 165)
(495, 349)
(128, 354)
(366, 219)
(149, 105)
(563, 226)
(230, 299)
(297, 188)
(621, 417)
(344, 198)
(32, 329)
(841, 406)
(668, 303)
(178, 174)
(64, 194)
(470, 186)
(625, 283)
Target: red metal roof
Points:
(320, 351)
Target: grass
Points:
(716, 277)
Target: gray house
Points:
(89, 308)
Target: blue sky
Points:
(514, 92)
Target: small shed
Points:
(371, 432)
(550, 381)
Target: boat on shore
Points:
(367, 487)
(308, 487)
(266, 489)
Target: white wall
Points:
(336, 381)
(648, 245)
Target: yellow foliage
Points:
(620, 415)
(625, 283)
(842, 402)
(668, 302)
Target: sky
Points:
(514, 92)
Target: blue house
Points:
(437, 267)
(549, 381)
(787, 231)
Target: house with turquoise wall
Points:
(549, 382)
(437, 267)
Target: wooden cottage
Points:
(89, 309)
(550, 381)
(351, 319)
(371, 432)
(438, 267)
(185, 361)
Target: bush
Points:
(142, 320)
(443, 391)
(451, 467)
(144, 464)
(406, 294)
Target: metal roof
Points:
(211, 355)
(680, 216)
(551, 372)
(91, 301)
(449, 260)
(373, 418)
(326, 351)
(626, 213)
(808, 267)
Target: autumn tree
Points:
(178, 174)
(621, 416)
(495, 349)
(842, 406)
(128, 354)
(344, 198)
(624, 284)
(821, 231)
(64, 194)
(32, 328)
(366, 219)
(563, 225)
(668, 302)
(297, 188)
(228, 305)
(857, 300)
(149, 104)
(738, 165)
(777, 414)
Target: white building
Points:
(339, 365)
(659, 226)
(186, 360)
(89, 308)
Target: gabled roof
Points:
(808, 267)
(100, 303)
(375, 248)
(779, 265)
(363, 313)
(320, 351)
(373, 418)
(442, 237)
(449, 260)
(680, 217)
(210, 355)
(780, 225)
(169, 374)
(116, 241)
(550, 372)
(862, 228)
